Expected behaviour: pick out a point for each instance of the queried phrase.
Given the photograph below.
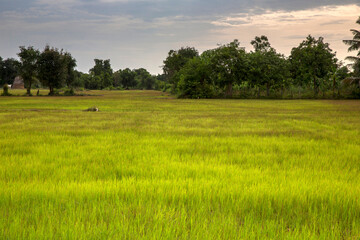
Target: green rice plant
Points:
(149, 166)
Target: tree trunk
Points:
(51, 91)
(267, 89)
(258, 93)
(28, 90)
(334, 87)
(229, 90)
(316, 90)
(282, 92)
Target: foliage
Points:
(28, 65)
(52, 68)
(144, 79)
(128, 79)
(69, 92)
(9, 69)
(175, 60)
(354, 44)
(311, 62)
(229, 65)
(5, 90)
(71, 74)
(102, 74)
(267, 68)
(195, 80)
(261, 44)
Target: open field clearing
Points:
(148, 166)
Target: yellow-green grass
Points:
(148, 166)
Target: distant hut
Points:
(18, 83)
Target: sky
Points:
(140, 33)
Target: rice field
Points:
(149, 166)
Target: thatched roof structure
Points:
(18, 83)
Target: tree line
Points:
(311, 70)
(229, 71)
(55, 69)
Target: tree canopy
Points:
(28, 65)
(311, 61)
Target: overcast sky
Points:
(139, 33)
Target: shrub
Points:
(5, 90)
(69, 92)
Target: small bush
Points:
(69, 92)
(5, 90)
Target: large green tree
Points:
(70, 64)
(175, 60)
(144, 79)
(128, 79)
(102, 73)
(267, 68)
(195, 80)
(229, 65)
(28, 65)
(9, 68)
(354, 45)
(311, 62)
(52, 68)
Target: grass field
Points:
(148, 166)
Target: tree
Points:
(117, 78)
(28, 66)
(267, 68)
(354, 45)
(103, 72)
(175, 60)
(229, 65)
(70, 64)
(128, 78)
(311, 62)
(195, 80)
(52, 68)
(261, 44)
(337, 76)
(9, 69)
(144, 79)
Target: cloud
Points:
(285, 18)
(139, 33)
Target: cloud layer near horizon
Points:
(139, 33)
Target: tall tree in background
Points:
(102, 73)
(9, 68)
(229, 64)
(52, 68)
(261, 44)
(144, 79)
(354, 45)
(175, 60)
(70, 64)
(267, 68)
(28, 66)
(128, 78)
(195, 80)
(311, 62)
